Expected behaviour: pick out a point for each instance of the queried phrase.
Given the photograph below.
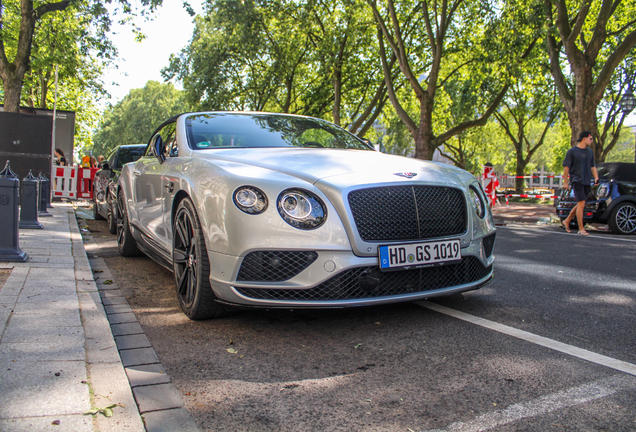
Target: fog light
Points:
(369, 280)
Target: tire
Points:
(623, 219)
(125, 242)
(96, 214)
(192, 266)
(111, 221)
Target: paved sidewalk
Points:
(58, 357)
(524, 213)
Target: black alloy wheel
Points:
(623, 219)
(125, 242)
(111, 220)
(192, 266)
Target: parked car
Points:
(105, 181)
(276, 210)
(611, 202)
(545, 192)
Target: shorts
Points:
(581, 191)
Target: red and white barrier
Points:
(85, 177)
(531, 196)
(65, 182)
(490, 183)
(73, 182)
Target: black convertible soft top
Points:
(620, 171)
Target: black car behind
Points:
(611, 202)
(106, 180)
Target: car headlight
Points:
(250, 199)
(603, 191)
(301, 209)
(478, 203)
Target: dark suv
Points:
(612, 201)
(104, 192)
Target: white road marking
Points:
(545, 404)
(573, 233)
(590, 356)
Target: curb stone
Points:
(157, 399)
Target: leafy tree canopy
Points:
(137, 115)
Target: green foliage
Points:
(625, 147)
(314, 58)
(137, 115)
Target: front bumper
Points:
(338, 279)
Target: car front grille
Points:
(489, 244)
(274, 266)
(408, 212)
(345, 286)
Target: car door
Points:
(171, 180)
(148, 185)
(100, 188)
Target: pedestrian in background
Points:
(61, 160)
(93, 162)
(100, 160)
(577, 167)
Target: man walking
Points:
(578, 164)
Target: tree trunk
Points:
(521, 168)
(583, 118)
(12, 92)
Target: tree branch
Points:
(50, 7)
(410, 124)
(598, 88)
(477, 122)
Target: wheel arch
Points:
(615, 203)
(179, 196)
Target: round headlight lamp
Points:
(250, 199)
(478, 203)
(603, 191)
(301, 209)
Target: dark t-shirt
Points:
(580, 161)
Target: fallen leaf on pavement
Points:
(107, 282)
(231, 350)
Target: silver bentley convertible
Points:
(275, 210)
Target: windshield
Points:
(617, 171)
(129, 154)
(227, 130)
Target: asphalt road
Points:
(549, 345)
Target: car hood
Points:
(341, 168)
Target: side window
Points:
(172, 149)
(111, 159)
(167, 133)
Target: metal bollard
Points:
(46, 189)
(9, 234)
(29, 209)
(42, 211)
(8, 172)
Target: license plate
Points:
(419, 254)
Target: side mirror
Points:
(160, 149)
(105, 166)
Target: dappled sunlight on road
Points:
(613, 299)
